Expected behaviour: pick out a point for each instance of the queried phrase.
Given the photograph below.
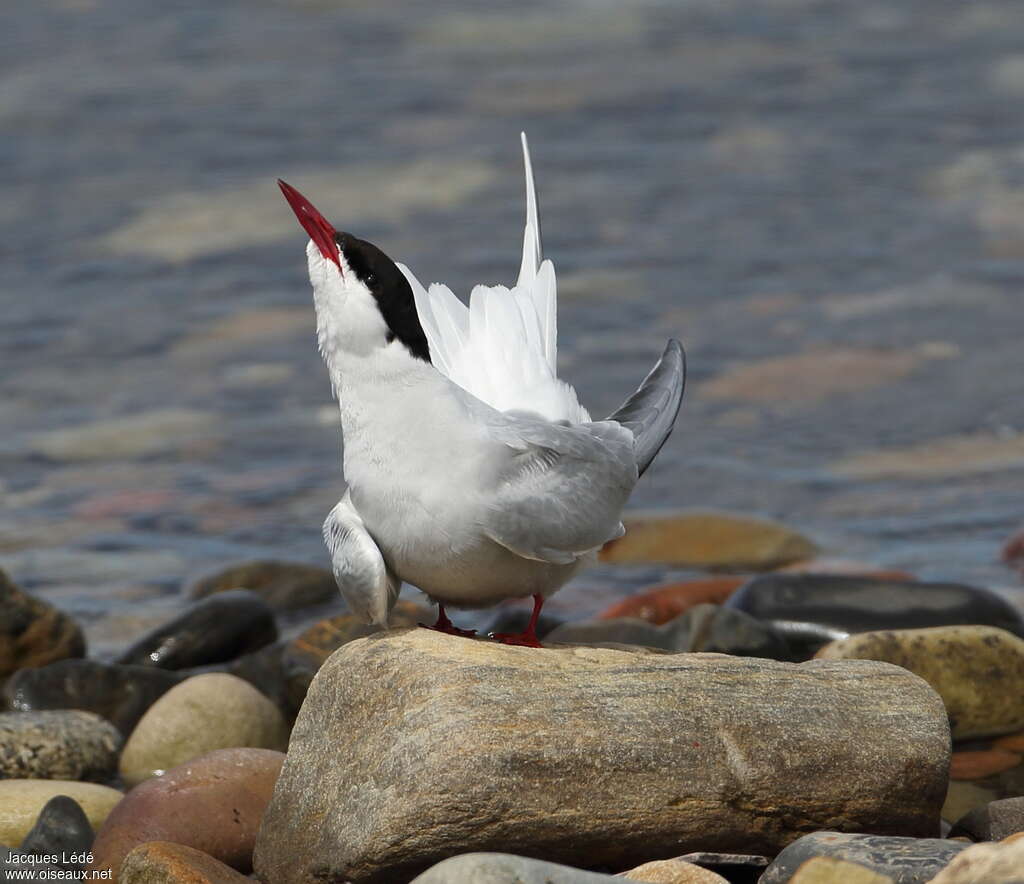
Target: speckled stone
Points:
(216, 629)
(829, 870)
(471, 729)
(21, 802)
(672, 871)
(64, 744)
(284, 586)
(163, 862)
(906, 860)
(1001, 863)
(203, 713)
(977, 670)
(120, 694)
(32, 632)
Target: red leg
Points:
(445, 625)
(527, 639)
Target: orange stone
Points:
(666, 602)
(168, 862)
(1011, 742)
(978, 764)
(847, 567)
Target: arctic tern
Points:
(473, 472)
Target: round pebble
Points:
(203, 713)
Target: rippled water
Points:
(824, 200)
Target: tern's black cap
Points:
(391, 290)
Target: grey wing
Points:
(650, 413)
(359, 569)
(561, 490)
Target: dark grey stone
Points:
(711, 628)
(120, 694)
(216, 629)
(905, 860)
(61, 829)
(284, 586)
(991, 822)
(811, 610)
(264, 670)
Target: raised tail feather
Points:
(650, 413)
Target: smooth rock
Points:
(303, 656)
(977, 670)
(282, 585)
(120, 694)
(549, 745)
(64, 744)
(664, 603)
(905, 860)
(848, 568)
(710, 628)
(672, 871)
(505, 868)
(815, 608)
(707, 540)
(32, 632)
(21, 802)
(62, 828)
(992, 822)
(162, 862)
(829, 870)
(986, 864)
(203, 713)
(977, 764)
(213, 804)
(219, 628)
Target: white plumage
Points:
(503, 347)
(473, 472)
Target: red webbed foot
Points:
(446, 626)
(527, 638)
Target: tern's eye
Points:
(371, 278)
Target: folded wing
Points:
(650, 413)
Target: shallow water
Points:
(824, 200)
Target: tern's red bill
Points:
(315, 224)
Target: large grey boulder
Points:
(414, 746)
